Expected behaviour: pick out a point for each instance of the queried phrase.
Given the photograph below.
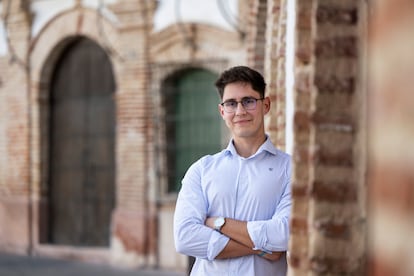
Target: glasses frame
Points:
(241, 102)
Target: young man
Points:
(233, 209)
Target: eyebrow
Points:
(234, 100)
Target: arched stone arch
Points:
(185, 43)
(57, 33)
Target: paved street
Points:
(11, 265)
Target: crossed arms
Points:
(240, 243)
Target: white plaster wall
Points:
(3, 44)
(168, 12)
(201, 11)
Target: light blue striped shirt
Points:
(254, 189)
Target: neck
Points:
(247, 146)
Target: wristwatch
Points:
(218, 223)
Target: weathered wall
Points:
(391, 134)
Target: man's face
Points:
(244, 123)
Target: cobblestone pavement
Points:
(12, 265)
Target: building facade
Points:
(99, 139)
(100, 118)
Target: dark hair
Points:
(241, 74)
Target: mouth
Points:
(241, 122)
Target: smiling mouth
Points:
(242, 122)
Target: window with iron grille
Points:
(192, 122)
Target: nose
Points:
(240, 109)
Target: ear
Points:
(221, 110)
(266, 105)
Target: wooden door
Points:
(82, 138)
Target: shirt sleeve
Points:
(273, 235)
(191, 236)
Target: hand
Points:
(210, 222)
(275, 256)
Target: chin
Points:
(243, 134)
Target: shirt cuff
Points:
(257, 233)
(216, 244)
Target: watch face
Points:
(218, 223)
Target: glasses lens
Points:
(230, 106)
(249, 103)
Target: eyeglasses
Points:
(248, 103)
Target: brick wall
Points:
(14, 140)
(391, 134)
(256, 38)
(274, 70)
(353, 115)
(328, 215)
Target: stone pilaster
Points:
(14, 133)
(134, 220)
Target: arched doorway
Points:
(81, 150)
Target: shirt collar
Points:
(266, 146)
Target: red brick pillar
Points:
(328, 217)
